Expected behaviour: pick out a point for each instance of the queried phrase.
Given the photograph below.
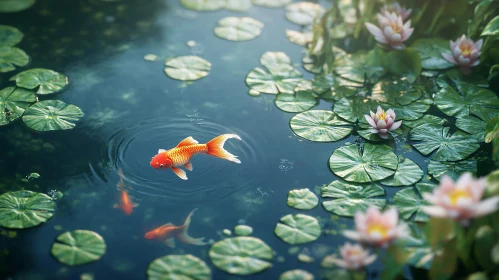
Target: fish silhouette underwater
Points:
(126, 203)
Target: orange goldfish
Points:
(182, 153)
(126, 203)
(169, 232)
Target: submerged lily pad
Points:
(10, 57)
(238, 28)
(370, 163)
(351, 198)
(13, 103)
(47, 80)
(25, 209)
(430, 51)
(51, 115)
(352, 109)
(449, 147)
(408, 172)
(437, 169)
(12, 6)
(304, 13)
(302, 199)
(241, 255)
(296, 274)
(271, 3)
(78, 247)
(295, 103)
(10, 36)
(178, 267)
(409, 202)
(187, 68)
(298, 229)
(299, 38)
(203, 5)
(320, 126)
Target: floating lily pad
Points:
(492, 28)
(25, 209)
(447, 146)
(430, 51)
(296, 274)
(178, 267)
(351, 198)
(47, 80)
(420, 254)
(454, 77)
(78, 247)
(492, 129)
(353, 109)
(310, 64)
(238, 28)
(12, 6)
(303, 85)
(295, 103)
(11, 57)
(368, 164)
(408, 172)
(302, 199)
(187, 68)
(473, 126)
(334, 88)
(13, 103)
(238, 5)
(367, 134)
(426, 119)
(271, 3)
(409, 202)
(242, 255)
(405, 64)
(243, 230)
(437, 169)
(412, 111)
(359, 66)
(396, 92)
(203, 5)
(298, 229)
(304, 13)
(299, 38)
(51, 115)
(320, 126)
(9, 36)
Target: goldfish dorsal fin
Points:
(161, 151)
(187, 141)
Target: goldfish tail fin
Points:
(184, 234)
(216, 147)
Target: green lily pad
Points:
(187, 68)
(25, 209)
(13, 103)
(304, 13)
(353, 109)
(368, 164)
(271, 3)
(412, 111)
(295, 103)
(303, 85)
(426, 119)
(420, 254)
(178, 267)
(396, 92)
(296, 274)
(320, 126)
(78, 247)
(243, 230)
(311, 64)
(492, 28)
(302, 199)
(238, 28)
(334, 88)
(408, 172)
(275, 60)
(449, 147)
(298, 229)
(356, 67)
(241, 255)
(430, 50)
(203, 5)
(12, 6)
(409, 202)
(10, 36)
(51, 115)
(238, 5)
(351, 198)
(10, 57)
(473, 126)
(299, 38)
(492, 129)
(48, 81)
(405, 63)
(374, 137)
(454, 77)
(437, 169)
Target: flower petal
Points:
(435, 211)
(449, 58)
(370, 121)
(395, 125)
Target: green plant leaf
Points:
(495, 253)
(333, 88)
(430, 50)
(304, 13)
(243, 230)
(13, 103)
(454, 77)
(474, 126)
(408, 172)
(437, 169)
(420, 255)
(396, 92)
(426, 119)
(444, 264)
(238, 28)
(412, 111)
(492, 28)
(9, 36)
(295, 103)
(299, 38)
(12, 6)
(406, 64)
(302, 199)
(492, 185)
(320, 126)
(238, 5)
(409, 202)
(10, 57)
(187, 68)
(353, 109)
(357, 66)
(272, 3)
(296, 274)
(203, 5)
(78, 247)
(47, 80)
(311, 64)
(298, 229)
(51, 115)
(492, 129)
(25, 209)
(178, 267)
(484, 240)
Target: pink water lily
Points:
(465, 53)
(382, 122)
(354, 257)
(376, 228)
(396, 8)
(391, 31)
(460, 201)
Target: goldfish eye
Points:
(161, 165)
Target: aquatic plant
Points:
(392, 30)
(25, 209)
(78, 247)
(187, 68)
(353, 256)
(383, 122)
(465, 53)
(397, 9)
(178, 267)
(238, 28)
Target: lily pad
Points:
(447, 146)
(420, 254)
(295, 103)
(298, 229)
(13, 103)
(271, 3)
(51, 115)
(320, 126)
(408, 172)
(351, 198)
(405, 64)
(430, 50)
(238, 28)
(25, 209)
(78, 247)
(492, 28)
(473, 126)
(243, 230)
(412, 111)
(203, 5)
(311, 64)
(396, 92)
(47, 80)
(334, 88)
(492, 129)
(10, 57)
(178, 267)
(437, 169)
(10, 36)
(302, 199)
(187, 68)
(238, 5)
(353, 109)
(359, 66)
(409, 202)
(426, 119)
(368, 164)
(241, 255)
(12, 6)
(454, 77)
(304, 13)
(299, 38)
(296, 274)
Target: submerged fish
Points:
(169, 232)
(182, 153)
(126, 201)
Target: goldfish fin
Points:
(161, 151)
(187, 141)
(180, 173)
(170, 242)
(184, 234)
(116, 205)
(216, 147)
(188, 166)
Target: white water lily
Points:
(391, 31)
(354, 257)
(465, 53)
(382, 122)
(396, 8)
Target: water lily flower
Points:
(382, 122)
(391, 31)
(376, 228)
(465, 53)
(354, 257)
(399, 10)
(460, 201)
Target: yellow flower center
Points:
(465, 49)
(395, 27)
(377, 229)
(382, 116)
(457, 194)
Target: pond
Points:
(94, 91)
